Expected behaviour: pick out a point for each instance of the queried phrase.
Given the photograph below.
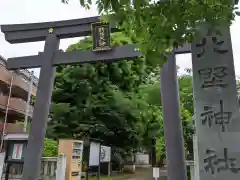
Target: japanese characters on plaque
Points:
(101, 37)
(216, 107)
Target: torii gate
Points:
(51, 33)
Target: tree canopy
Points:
(103, 100)
(162, 25)
(186, 104)
(117, 102)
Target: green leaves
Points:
(117, 102)
(162, 25)
(50, 148)
(151, 94)
(98, 100)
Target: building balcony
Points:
(11, 128)
(20, 87)
(20, 84)
(16, 107)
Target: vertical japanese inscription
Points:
(213, 77)
(214, 82)
(217, 44)
(222, 118)
(101, 37)
(214, 163)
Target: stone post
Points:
(61, 167)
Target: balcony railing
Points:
(5, 74)
(18, 81)
(27, 76)
(15, 104)
(11, 128)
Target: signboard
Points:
(105, 155)
(216, 105)
(94, 154)
(101, 37)
(17, 151)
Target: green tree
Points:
(117, 102)
(186, 92)
(151, 122)
(161, 25)
(153, 97)
(98, 100)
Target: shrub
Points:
(50, 148)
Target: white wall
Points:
(142, 159)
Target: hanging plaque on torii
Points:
(101, 36)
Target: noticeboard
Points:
(94, 154)
(16, 151)
(105, 155)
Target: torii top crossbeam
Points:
(22, 33)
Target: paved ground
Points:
(142, 174)
(146, 174)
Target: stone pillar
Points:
(61, 167)
(192, 172)
(216, 107)
(196, 161)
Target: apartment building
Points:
(14, 89)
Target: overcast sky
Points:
(29, 11)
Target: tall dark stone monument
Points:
(216, 107)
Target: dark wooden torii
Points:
(51, 33)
